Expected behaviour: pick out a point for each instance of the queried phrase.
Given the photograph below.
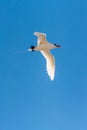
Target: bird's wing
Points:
(50, 63)
(41, 37)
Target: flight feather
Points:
(50, 63)
(41, 38)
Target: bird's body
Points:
(44, 47)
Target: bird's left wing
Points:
(41, 37)
(50, 63)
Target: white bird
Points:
(44, 47)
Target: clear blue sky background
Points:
(29, 100)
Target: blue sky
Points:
(29, 100)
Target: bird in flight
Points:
(44, 47)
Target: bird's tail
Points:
(31, 48)
(18, 52)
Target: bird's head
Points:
(58, 46)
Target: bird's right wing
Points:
(41, 37)
(50, 65)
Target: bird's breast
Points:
(44, 47)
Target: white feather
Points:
(50, 63)
(44, 47)
(41, 37)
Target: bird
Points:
(44, 47)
